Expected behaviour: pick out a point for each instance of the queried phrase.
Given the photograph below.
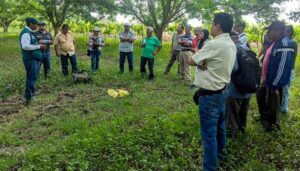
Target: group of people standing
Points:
(223, 105)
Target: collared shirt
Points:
(175, 45)
(196, 81)
(45, 37)
(93, 39)
(186, 38)
(65, 43)
(243, 39)
(127, 46)
(25, 41)
(151, 44)
(219, 56)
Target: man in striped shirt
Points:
(126, 47)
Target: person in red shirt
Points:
(198, 37)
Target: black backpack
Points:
(247, 78)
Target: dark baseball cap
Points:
(41, 23)
(276, 25)
(31, 20)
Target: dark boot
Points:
(275, 109)
(261, 98)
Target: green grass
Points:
(79, 127)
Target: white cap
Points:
(127, 24)
(96, 29)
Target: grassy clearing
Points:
(79, 127)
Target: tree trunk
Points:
(159, 32)
(56, 29)
(5, 27)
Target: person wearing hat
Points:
(46, 38)
(285, 90)
(95, 42)
(127, 37)
(31, 54)
(276, 72)
(65, 49)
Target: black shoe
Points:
(28, 102)
(151, 79)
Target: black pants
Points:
(236, 114)
(123, 56)
(268, 101)
(64, 63)
(150, 66)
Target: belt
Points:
(204, 92)
(186, 50)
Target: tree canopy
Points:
(9, 11)
(158, 14)
(57, 11)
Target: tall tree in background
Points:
(9, 11)
(156, 13)
(295, 15)
(263, 11)
(57, 11)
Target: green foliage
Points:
(9, 11)
(57, 11)
(158, 14)
(106, 27)
(297, 33)
(295, 15)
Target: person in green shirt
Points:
(151, 46)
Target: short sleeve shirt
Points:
(187, 38)
(65, 43)
(44, 36)
(94, 39)
(150, 46)
(126, 46)
(219, 55)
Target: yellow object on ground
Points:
(116, 93)
(123, 93)
(112, 93)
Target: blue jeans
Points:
(31, 67)
(46, 63)
(284, 106)
(213, 131)
(64, 63)
(95, 59)
(123, 56)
